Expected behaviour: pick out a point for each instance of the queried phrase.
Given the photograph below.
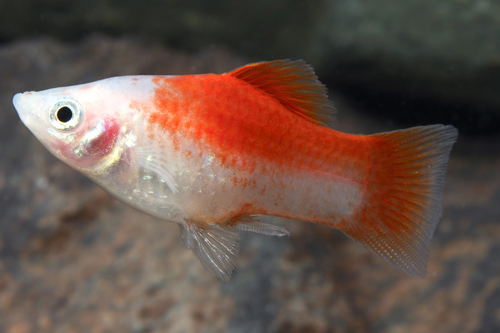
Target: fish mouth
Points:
(20, 101)
(17, 100)
(25, 104)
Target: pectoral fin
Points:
(217, 246)
(159, 159)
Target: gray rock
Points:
(72, 259)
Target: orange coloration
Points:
(293, 84)
(268, 113)
(403, 201)
(243, 124)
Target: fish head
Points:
(76, 124)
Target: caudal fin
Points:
(403, 202)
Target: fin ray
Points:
(159, 160)
(403, 202)
(293, 84)
(252, 223)
(215, 246)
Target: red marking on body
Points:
(104, 143)
(267, 115)
(85, 87)
(243, 124)
(91, 151)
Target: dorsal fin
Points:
(293, 84)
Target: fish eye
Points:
(65, 114)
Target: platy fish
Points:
(214, 153)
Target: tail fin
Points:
(403, 200)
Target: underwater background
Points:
(73, 259)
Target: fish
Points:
(215, 153)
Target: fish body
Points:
(213, 153)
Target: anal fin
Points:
(252, 223)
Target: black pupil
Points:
(64, 114)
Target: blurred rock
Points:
(430, 61)
(72, 259)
